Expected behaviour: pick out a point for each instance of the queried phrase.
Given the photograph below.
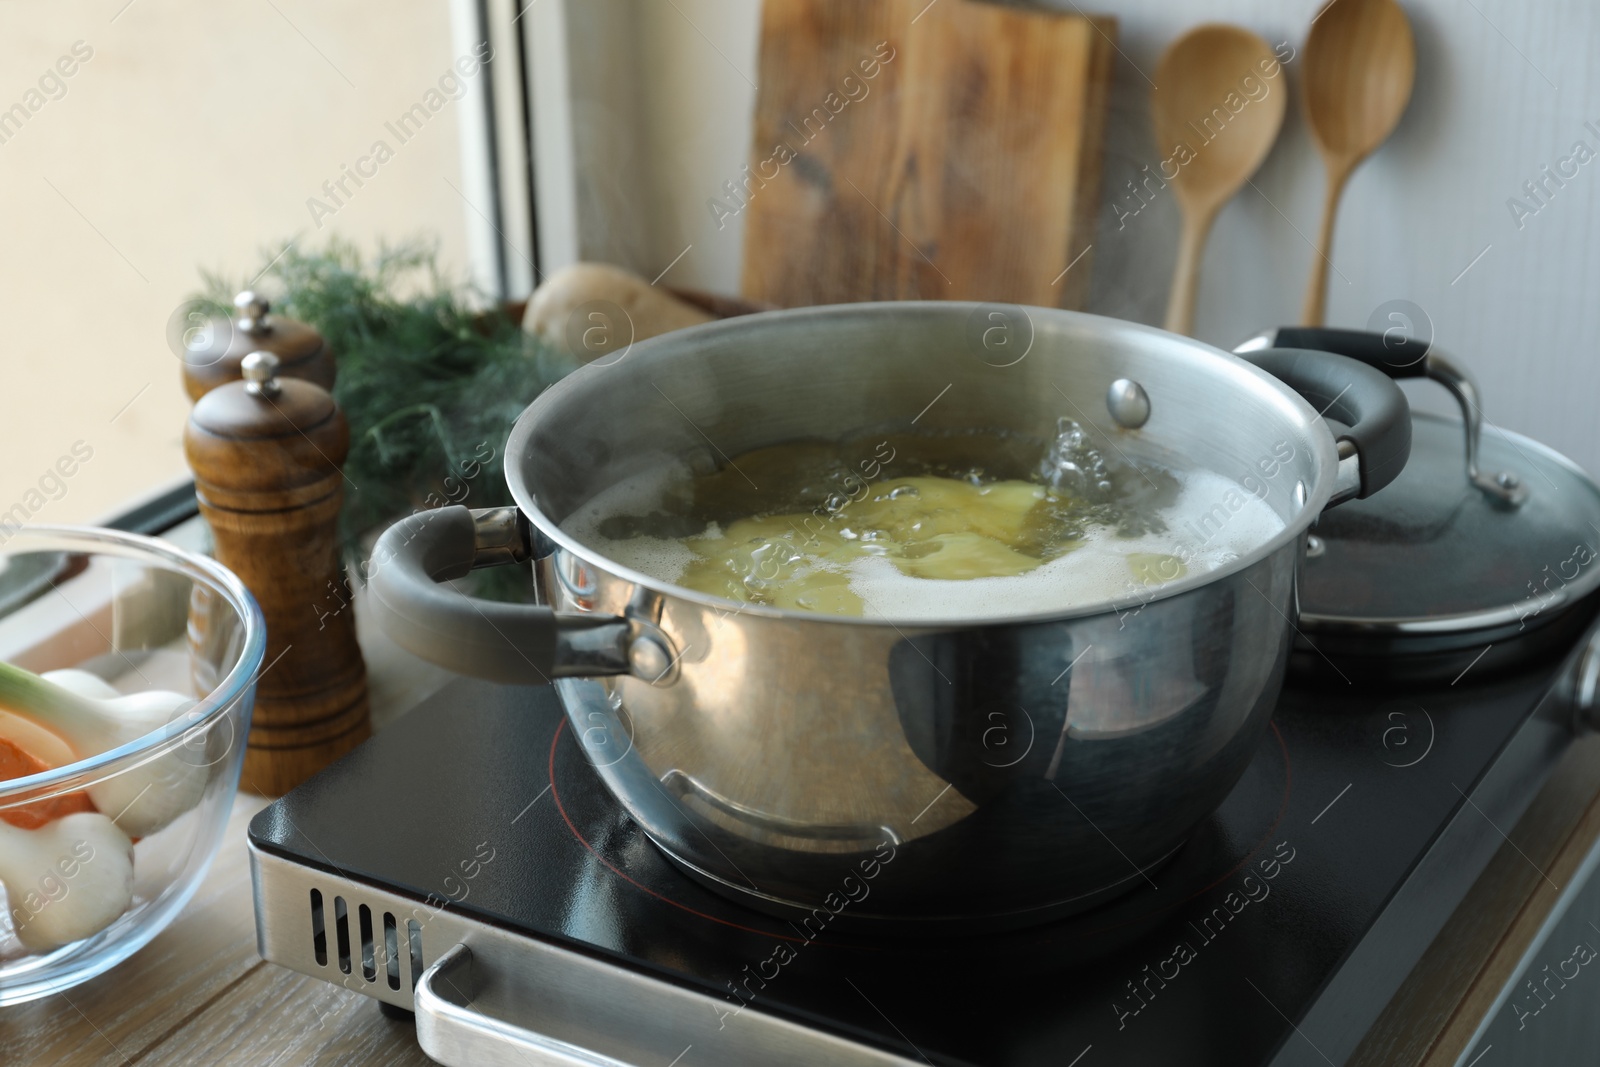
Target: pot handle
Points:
(1393, 353)
(451, 1031)
(516, 644)
(1374, 451)
(578, 1010)
(1400, 356)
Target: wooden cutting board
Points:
(906, 150)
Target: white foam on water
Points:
(663, 558)
(1213, 522)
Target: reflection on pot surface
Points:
(1042, 766)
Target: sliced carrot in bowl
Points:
(17, 762)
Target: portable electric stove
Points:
(467, 864)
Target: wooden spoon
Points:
(1360, 63)
(1216, 115)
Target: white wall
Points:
(659, 98)
(699, 66)
(191, 139)
(1483, 120)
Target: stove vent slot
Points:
(391, 950)
(319, 931)
(414, 933)
(341, 929)
(388, 970)
(369, 966)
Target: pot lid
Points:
(1442, 552)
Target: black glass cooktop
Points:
(1275, 936)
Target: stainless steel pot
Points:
(883, 769)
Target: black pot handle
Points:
(1400, 356)
(1392, 352)
(1379, 440)
(516, 644)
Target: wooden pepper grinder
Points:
(219, 351)
(266, 455)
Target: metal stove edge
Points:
(465, 978)
(1381, 960)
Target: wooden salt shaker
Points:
(266, 455)
(221, 347)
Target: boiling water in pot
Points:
(925, 526)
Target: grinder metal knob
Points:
(253, 313)
(260, 372)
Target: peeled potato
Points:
(913, 509)
(929, 527)
(590, 310)
(958, 556)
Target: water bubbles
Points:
(770, 561)
(901, 492)
(1071, 465)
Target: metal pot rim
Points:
(1317, 494)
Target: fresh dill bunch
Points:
(428, 381)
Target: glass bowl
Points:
(140, 614)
